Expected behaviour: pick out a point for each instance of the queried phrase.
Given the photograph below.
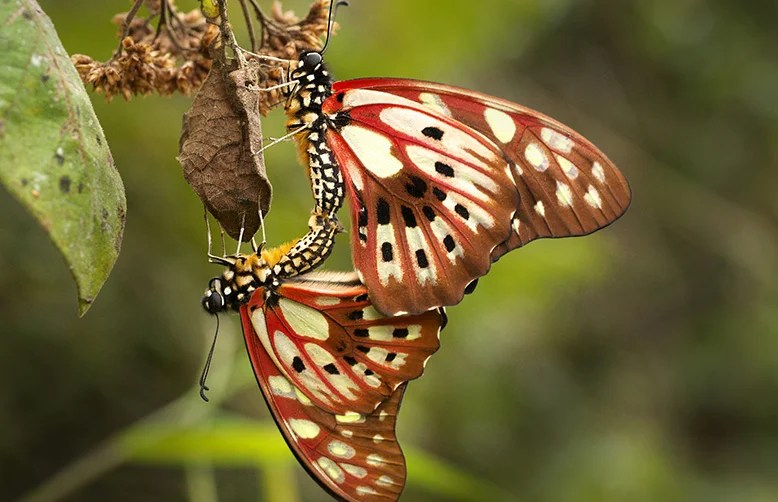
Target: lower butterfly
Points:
(331, 368)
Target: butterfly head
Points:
(244, 274)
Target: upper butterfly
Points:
(442, 181)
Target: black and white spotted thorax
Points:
(243, 275)
(304, 111)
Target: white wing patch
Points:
(434, 103)
(556, 141)
(568, 167)
(536, 157)
(304, 428)
(373, 150)
(563, 194)
(305, 321)
(502, 125)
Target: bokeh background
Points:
(640, 363)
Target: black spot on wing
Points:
(462, 211)
(355, 315)
(408, 217)
(390, 357)
(400, 333)
(471, 287)
(331, 369)
(439, 194)
(432, 132)
(429, 213)
(350, 360)
(417, 187)
(444, 169)
(298, 365)
(421, 258)
(448, 241)
(363, 349)
(386, 252)
(382, 212)
(361, 333)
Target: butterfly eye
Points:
(311, 60)
(213, 302)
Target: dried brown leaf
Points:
(221, 133)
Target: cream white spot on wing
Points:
(540, 209)
(384, 481)
(371, 314)
(331, 469)
(556, 141)
(416, 241)
(567, 167)
(516, 224)
(341, 450)
(563, 194)
(382, 416)
(304, 428)
(305, 321)
(327, 301)
(280, 386)
(502, 125)
(442, 231)
(592, 196)
(354, 470)
(373, 149)
(536, 157)
(374, 460)
(365, 490)
(377, 354)
(347, 433)
(358, 97)
(350, 417)
(598, 172)
(518, 170)
(304, 400)
(378, 438)
(387, 269)
(434, 103)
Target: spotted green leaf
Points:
(53, 154)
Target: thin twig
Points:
(249, 25)
(127, 21)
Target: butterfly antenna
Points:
(207, 367)
(331, 20)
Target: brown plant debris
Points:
(171, 57)
(221, 135)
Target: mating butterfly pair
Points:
(442, 182)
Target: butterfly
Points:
(332, 369)
(442, 181)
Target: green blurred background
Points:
(640, 363)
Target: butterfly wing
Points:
(326, 338)
(355, 457)
(492, 176)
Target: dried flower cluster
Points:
(169, 59)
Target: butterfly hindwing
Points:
(354, 456)
(493, 174)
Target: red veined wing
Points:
(355, 457)
(479, 175)
(325, 336)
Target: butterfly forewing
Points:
(354, 456)
(431, 198)
(328, 340)
(491, 174)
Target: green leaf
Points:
(53, 154)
